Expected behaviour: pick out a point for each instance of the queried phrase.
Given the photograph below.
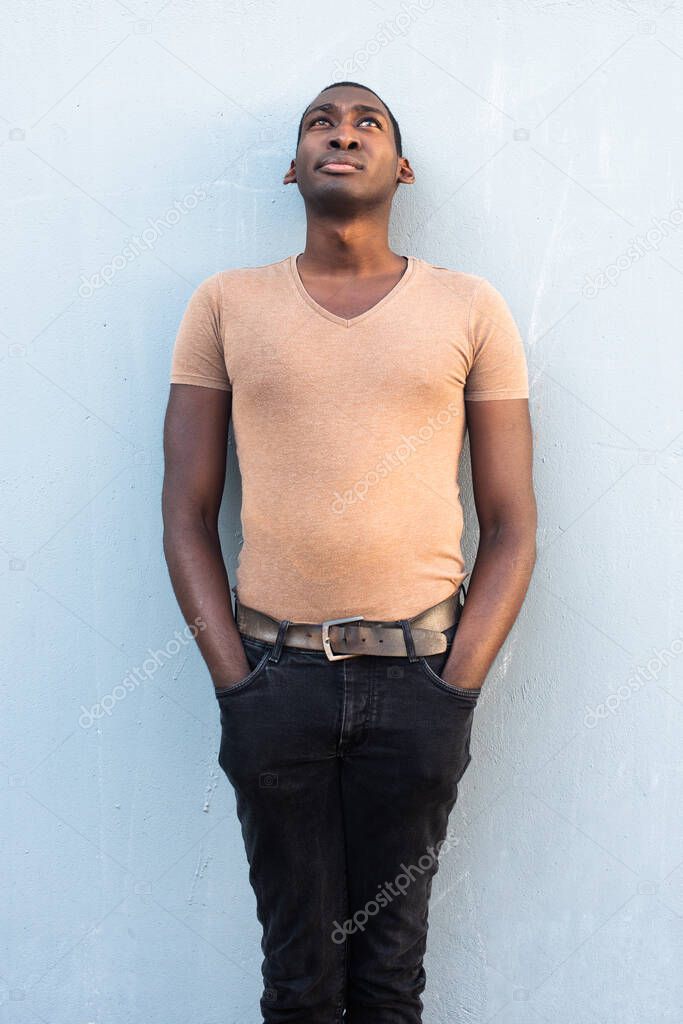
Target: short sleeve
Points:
(498, 367)
(198, 354)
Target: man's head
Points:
(382, 104)
(349, 150)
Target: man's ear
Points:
(405, 174)
(290, 176)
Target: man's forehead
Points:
(345, 96)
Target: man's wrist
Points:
(459, 683)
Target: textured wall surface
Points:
(143, 148)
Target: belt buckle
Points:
(327, 646)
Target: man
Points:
(350, 374)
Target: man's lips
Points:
(332, 167)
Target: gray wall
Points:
(145, 143)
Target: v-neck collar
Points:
(343, 321)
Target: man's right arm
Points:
(195, 451)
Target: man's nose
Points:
(344, 140)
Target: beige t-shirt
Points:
(349, 432)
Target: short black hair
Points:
(394, 122)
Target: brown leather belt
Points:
(340, 638)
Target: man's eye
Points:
(316, 120)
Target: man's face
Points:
(347, 156)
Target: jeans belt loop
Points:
(279, 641)
(408, 637)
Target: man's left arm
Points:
(501, 455)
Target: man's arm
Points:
(195, 450)
(501, 453)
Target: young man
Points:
(351, 374)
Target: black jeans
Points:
(345, 773)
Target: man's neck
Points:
(353, 250)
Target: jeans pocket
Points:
(432, 665)
(257, 656)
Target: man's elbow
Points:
(514, 526)
(184, 519)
